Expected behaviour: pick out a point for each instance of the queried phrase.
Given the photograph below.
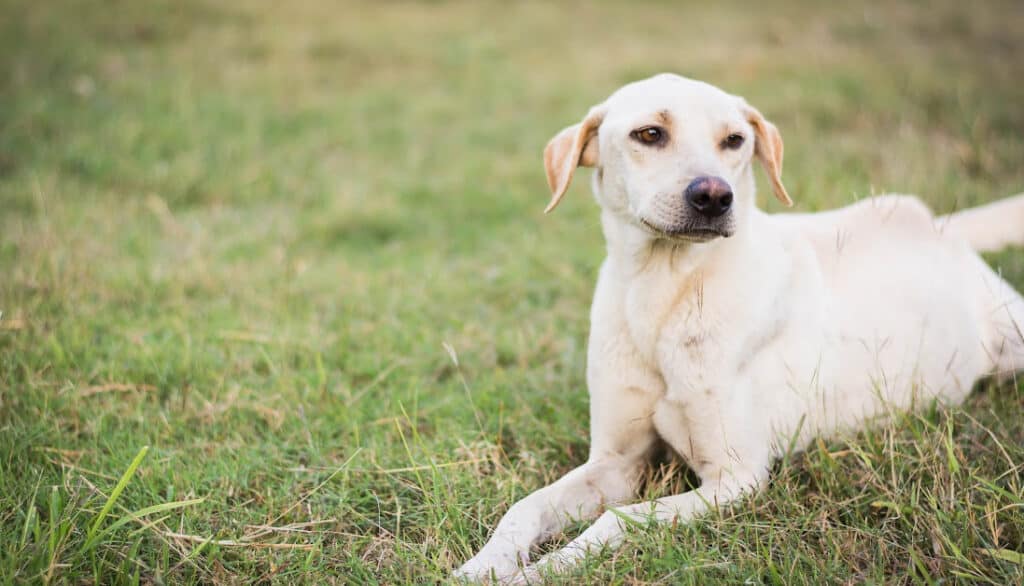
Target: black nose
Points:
(709, 196)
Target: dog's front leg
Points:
(609, 529)
(622, 397)
(623, 393)
(622, 436)
(578, 494)
(729, 456)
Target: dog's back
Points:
(875, 231)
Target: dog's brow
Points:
(664, 117)
(727, 128)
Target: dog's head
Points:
(672, 156)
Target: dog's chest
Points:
(671, 326)
(669, 319)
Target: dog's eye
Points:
(733, 141)
(648, 135)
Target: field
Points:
(297, 251)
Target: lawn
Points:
(279, 304)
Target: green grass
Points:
(254, 237)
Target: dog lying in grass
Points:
(733, 335)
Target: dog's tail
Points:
(990, 227)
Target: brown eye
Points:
(649, 135)
(733, 141)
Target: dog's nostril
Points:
(726, 200)
(702, 199)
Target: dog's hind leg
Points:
(1006, 334)
(1010, 342)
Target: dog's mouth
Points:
(686, 233)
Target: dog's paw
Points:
(488, 568)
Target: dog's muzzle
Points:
(699, 215)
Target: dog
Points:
(733, 335)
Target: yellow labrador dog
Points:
(733, 335)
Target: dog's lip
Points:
(693, 234)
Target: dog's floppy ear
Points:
(573, 147)
(768, 150)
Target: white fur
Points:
(734, 349)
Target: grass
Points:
(279, 304)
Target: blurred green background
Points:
(297, 249)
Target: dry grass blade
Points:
(13, 325)
(233, 543)
(115, 387)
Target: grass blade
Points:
(121, 484)
(1007, 555)
(136, 515)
